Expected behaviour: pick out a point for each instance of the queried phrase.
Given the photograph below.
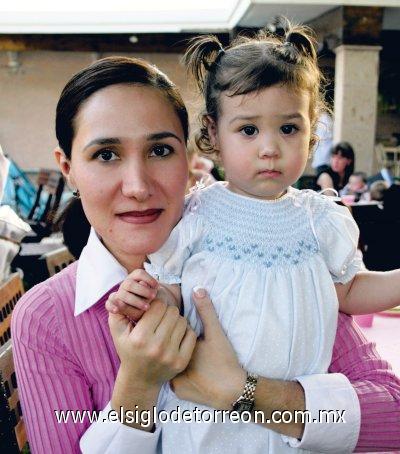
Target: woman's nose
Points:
(136, 183)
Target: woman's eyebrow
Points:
(162, 135)
(103, 141)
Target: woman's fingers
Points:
(188, 344)
(206, 311)
(167, 324)
(179, 332)
(148, 324)
(119, 324)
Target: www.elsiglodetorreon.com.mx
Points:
(145, 418)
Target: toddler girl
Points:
(277, 262)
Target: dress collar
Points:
(98, 271)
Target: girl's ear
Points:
(212, 132)
(65, 166)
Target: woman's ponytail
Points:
(202, 54)
(74, 226)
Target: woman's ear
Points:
(65, 166)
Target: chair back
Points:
(12, 429)
(58, 259)
(10, 292)
(12, 433)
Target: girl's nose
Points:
(268, 148)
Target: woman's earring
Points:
(76, 193)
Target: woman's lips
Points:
(270, 173)
(140, 217)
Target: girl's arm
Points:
(369, 291)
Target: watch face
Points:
(243, 405)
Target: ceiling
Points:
(161, 16)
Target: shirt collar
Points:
(98, 271)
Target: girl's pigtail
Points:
(202, 54)
(302, 38)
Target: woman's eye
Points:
(106, 155)
(249, 130)
(161, 151)
(289, 129)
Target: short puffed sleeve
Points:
(338, 235)
(166, 264)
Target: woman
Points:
(122, 130)
(342, 164)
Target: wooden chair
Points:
(58, 259)
(10, 292)
(12, 433)
(12, 430)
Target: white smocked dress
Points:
(270, 269)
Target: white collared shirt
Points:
(322, 392)
(111, 272)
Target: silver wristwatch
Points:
(246, 400)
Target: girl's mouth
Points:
(270, 173)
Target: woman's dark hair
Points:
(253, 63)
(103, 73)
(346, 150)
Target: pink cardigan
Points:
(67, 362)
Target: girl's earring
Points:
(76, 193)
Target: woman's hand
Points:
(152, 352)
(157, 348)
(214, 376)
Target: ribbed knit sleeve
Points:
(377, 387)
(49, 377)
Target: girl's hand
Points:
(156, 349)
(134, 295)
(214, 376)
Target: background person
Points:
(357, 187)
(342, 163)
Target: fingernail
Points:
(199, 292)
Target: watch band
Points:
(246, 401)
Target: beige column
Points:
(356, 96)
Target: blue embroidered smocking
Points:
(267, 233)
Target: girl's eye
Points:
(249, 130)
(289, 129)
(161, 151)
(105, 155)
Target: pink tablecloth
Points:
(385, 331)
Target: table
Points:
(385, 331)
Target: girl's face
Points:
(263, 139)
(129, 164)
(339, 163)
